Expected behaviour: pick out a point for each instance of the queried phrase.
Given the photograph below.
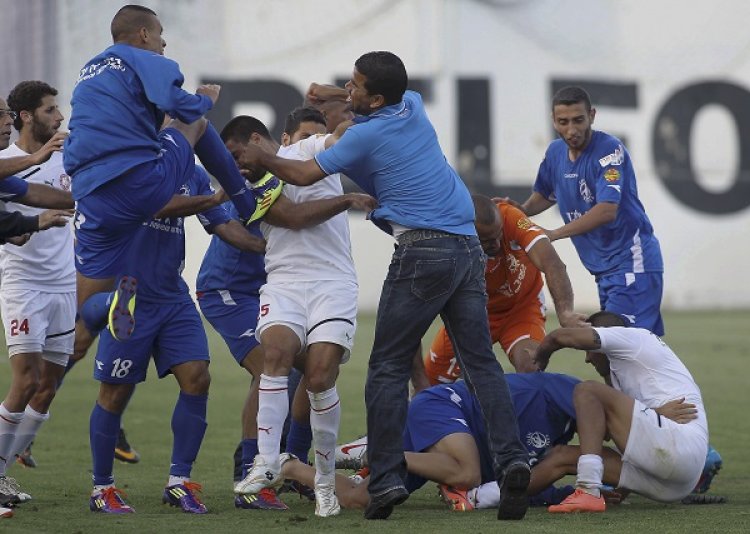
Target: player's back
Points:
(118, 107)
(45, 262)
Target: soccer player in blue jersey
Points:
(392, 153)
(124, 172)
(445, 441)
(172, 333)
(590, 175)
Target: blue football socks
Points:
(188, 428)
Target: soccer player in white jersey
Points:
(37, 294)
(665, 458)
(309, 303)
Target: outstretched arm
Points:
(601, 214)
(184, 205)
(291, 171)
(535, 204)
(543, 255)
(573, 338)
(287, 214)
(11, 166)
(234, 233)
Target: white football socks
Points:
(590, 471)
(28, 429)
(325, 416)
(273, 407)
(9, 423)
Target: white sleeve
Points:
(620, 342)
(312, 146)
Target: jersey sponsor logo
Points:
(570, 175)
(524, 224)
(615, 158)
(611, 175)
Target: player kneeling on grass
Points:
(170, 331)
(665, 458)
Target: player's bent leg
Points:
(350, 494)
(26, 371)
(453, 461)
(601, 410)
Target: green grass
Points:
(713, 345)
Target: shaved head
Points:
(485, 210)
(129, 21)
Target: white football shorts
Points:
(663, 460)
(36, 321)
(317, 312)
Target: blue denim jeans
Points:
(440, 276)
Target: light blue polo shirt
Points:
(394, 155)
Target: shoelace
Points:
(327, 496)
(111, 496)
(194, 488)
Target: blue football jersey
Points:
(119, 103)
(159, 247)
(226, 267)
(602, 173)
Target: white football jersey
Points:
(321, 252)
(45, 263)
(645, 368)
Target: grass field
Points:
(715, 346)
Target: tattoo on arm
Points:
(597, 339)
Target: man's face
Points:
(573, 124)
(307, 129)
(336, 112)
(491, 237)
(155, 42)
(44, 121)
(6, 122)
(359, 99)
(236, 148)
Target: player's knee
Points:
(276, 361)
(321, 378)
(114, 397)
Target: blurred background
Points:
(670, 78)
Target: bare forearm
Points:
(306, 214)
(237, 235)
(560, 288)
(535, 204)
(292, 171)
(599, 215)
(184, 206)
(11, 166)
(44, 196)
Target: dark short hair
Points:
(299, 115)
(27, 96)
(242, 127)
(569, 95)
(130, 19)
(605, 318)
(485, 210)
(386, 75)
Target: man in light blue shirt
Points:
(392, 152)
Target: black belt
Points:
(411, 236)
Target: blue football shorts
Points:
(170, 333)
(234, 316)
(637, 297)
(106, 218)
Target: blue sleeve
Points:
(543, 183)
(162, 83)
(13, 188)
(346, 156)
(211, 218)
(610, 166)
